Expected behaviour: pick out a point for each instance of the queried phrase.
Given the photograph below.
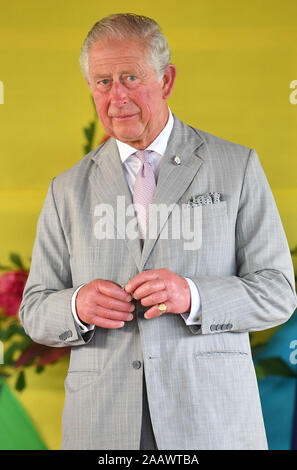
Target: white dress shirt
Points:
(131, 166)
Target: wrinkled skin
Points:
(157, 286)
(105, 304)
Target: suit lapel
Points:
(109, 182)
(174, 179)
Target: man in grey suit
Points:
(157, 310)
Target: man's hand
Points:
(160, 285)
(104, 303)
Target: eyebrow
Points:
(107, 75)
(101, 75)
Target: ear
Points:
(168, 80)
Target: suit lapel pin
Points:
(177, 160)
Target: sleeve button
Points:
(136, 364)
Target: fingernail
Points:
(132, 308)
(129, 298)
(122, 324)
(130, 317)
(127, 286)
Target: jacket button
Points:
(213, 327)
(136, 364)
(66, 334)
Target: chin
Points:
(127, 139)
(126, 136)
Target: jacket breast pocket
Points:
(204, 224)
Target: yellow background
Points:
(235, 62)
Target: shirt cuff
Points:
(193, 318)
(83, 328)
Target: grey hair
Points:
(126, 26)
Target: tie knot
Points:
(142, 155)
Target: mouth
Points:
(125, 117)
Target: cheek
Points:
(151, 100)
(101, 106)
(146, 102)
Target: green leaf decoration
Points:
(260, 373)
(13, 329)
(39, 369)
(273, 366)
(258, 348)
(5, 268)
(16, 259)
(16, 346)
(89, 131)
(94, 106)
(20, 382)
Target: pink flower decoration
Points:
(11, 291)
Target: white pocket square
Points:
(203, 199)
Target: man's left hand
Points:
(157, 286)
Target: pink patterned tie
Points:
(144, 189)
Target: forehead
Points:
(115, 55)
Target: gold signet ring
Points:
(162, 308)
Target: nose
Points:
(118, 94)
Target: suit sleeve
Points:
(262, 294)
(45, 310)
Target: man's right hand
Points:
(104, 303)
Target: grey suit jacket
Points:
(201, 384)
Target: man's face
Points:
(130, 101)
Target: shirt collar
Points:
(158, 145)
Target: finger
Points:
(148, 288)
(155, 298)
(140, 278)
(154, 312)
(112, 315)
(107, 323)
(113, 304)
(111, 289)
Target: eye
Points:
(103, 83)
(130, 80)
